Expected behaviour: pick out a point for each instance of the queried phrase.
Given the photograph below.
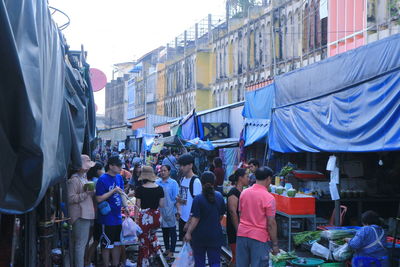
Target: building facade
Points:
(275, 37)
(116, 104)
(213, 63)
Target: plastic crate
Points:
(295, 205)
(279, 264)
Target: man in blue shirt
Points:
(170, 160)
(168, 212)
(108, 193)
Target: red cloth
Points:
(149, 222)
(219, 176)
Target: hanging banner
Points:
(158, 144)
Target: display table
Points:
(290, 217)
(299, 207)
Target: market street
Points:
(232, 133)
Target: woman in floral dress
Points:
(149, 197)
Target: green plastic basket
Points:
(279, 264)
(333, 264)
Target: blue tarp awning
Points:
(256, 130)
(259, 103)
(257, 114)
(347, 103)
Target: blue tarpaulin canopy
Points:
(259, 103)
(347, 103)
(257, 113)
(256, 130)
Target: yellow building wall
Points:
(205, 69)
(251, 44)
(212, 66)
(230, 59)
(161, 88)
(203, 77)
(230, 97)
(202, 100)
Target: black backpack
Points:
(194, 177)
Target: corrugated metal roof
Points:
(237, 104)
(219, 114)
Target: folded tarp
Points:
(43, 119)
(200, 144)
(257, 113)
(347, 103)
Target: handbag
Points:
(104, 208)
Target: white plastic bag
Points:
(130, 232)
(321, 251)
(185, 257)
(128, 227)
(342, 253)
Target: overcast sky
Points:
(114, 31)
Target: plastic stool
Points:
(366, 262)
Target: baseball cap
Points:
(185, 159)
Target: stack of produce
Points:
(332, 245)
(337, 234)
(305, 237)
(281, 258)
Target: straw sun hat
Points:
(147, 174)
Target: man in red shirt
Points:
(219, 174)
(257, 228)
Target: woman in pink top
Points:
(81, 210)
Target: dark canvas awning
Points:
(47, 115)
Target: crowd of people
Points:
(170, 194)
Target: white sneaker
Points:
(128, 263)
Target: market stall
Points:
(307, 195)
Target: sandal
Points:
(165, 253)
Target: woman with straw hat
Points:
(81, 209)
(149, 197)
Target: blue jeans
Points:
(169, 234)
(251, 252)
(213, 255)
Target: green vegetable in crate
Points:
(283, 256)
(279, 190)
(291, 192)
(286, 170)
(340, 242)
(304, 237)
(337, 234)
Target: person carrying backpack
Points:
(190, 186)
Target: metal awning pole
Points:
(337, 213)
(265, 151)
